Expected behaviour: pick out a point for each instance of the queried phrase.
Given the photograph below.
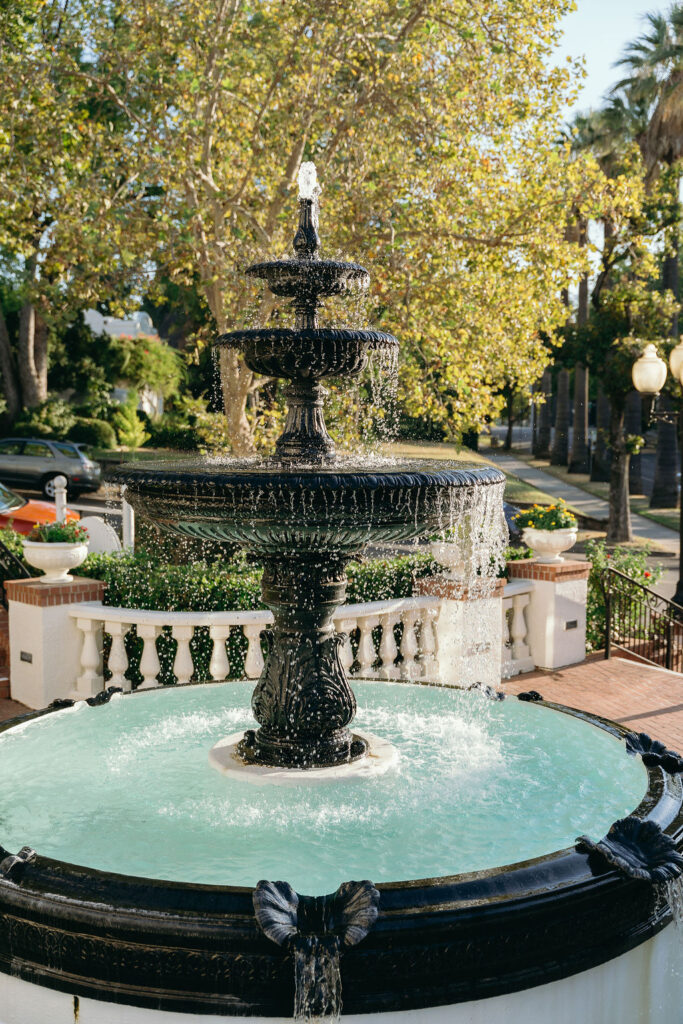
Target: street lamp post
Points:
(649, 376)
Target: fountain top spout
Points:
(308, 181)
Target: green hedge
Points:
(141, 581)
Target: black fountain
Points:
(307, 511)
(129, 869)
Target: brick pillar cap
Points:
(532, 569)
(43, 595)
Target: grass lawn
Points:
(517, 491)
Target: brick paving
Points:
(641, 697)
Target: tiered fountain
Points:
(141, 904)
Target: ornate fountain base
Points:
(303, 701)
(380, 757)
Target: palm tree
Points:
(600, 464)
(654, 85)
(667, 463)
(542, 440)
(633, 425)
(560, 449)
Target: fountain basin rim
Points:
(264, 267)
(156, 475)
(321, 335)
(163, 944)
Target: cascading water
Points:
(317, 980)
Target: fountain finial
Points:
(306, 240)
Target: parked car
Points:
(21, 514)
(36, 461)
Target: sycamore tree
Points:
(74, 211)
(434, 125)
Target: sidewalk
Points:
(641, 697)
(643, 529)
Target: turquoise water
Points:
(127, 788)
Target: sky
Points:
(598, 30)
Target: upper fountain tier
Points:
(306, 353)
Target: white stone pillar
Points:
(45, 641)
(469, 631)
(556, 614)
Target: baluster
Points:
(253, 661)
(149, 661)
(346, 626)
(430, 662)
(366, 655)
(118, 659)
(506, 659)
(410, 669)
(388, 651)
(219, 666)
(518, 629)
(91, 680)
(183, 666)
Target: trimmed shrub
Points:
(98, 433)
(54, 418)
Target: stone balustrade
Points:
(370, 648)
(516, 650)
(59, 635)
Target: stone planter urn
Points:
(450, 556)
(547, 545)
(55, 559)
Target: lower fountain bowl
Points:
(551, 938)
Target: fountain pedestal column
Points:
(303, 701)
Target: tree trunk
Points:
(665, 486)
(670, 275)
(8, 372)
(602, 457)
(619, 523)
(633, 424)
(510, 414)
(542, 449)
(236, 381)
(32, 356)
(579, 460)
(560, 449)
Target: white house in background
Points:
(139, 325)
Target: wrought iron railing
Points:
(642, 623)
(11, 568)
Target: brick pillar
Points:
(45, 642)
(469, 630)
(556, 615)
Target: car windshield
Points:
(9, 501)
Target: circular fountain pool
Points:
(141, 890)
(469, 771)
